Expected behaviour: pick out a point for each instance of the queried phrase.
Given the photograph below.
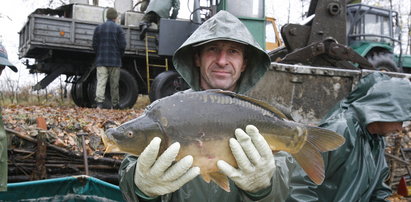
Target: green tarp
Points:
(76, 188)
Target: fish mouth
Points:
(109, 143)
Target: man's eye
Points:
(212, 48)
(234, 51)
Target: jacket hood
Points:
(222, 26)
(380, 98)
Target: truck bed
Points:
(307, 92)
(42, 33)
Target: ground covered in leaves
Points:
(65, 123)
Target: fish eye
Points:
(130, 133)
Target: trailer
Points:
(60, 41)
(307, 93)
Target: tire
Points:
(128, 90)
(74, 96)
(165, 84)
(384, 61)
(79, 95)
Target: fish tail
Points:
(324, 139)
(310, 158)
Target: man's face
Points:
(221, 64)
(384, 128)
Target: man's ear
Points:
(197, 61)
(244, 65)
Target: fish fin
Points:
(311, 160)
(221, 180)
(260, 103)
(324, 139)
(206, 177)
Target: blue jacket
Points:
(109, 44)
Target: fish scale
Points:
(204, 121)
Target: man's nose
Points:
(222, 59)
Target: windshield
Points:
(375, 24)
(371, 24)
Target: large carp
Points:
(204, 121)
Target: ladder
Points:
(150, 66)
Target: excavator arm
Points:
(322, 40)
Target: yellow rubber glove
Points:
(155, 177)
(254, 158)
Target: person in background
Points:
(358, 169)
(4, 62)
(220, 54)
(109, 44)
(158, 9)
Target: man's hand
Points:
(254, 158)
(155, 177)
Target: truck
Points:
(60, 42)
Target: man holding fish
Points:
(215, 56)
(220, 54)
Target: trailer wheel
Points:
(79, 95)
(128, 90)
(384, 61)
(74, 95)
(165, 84)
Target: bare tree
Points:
(408, 49)
(12, 87)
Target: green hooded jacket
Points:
(3, 156)
(162, 8)
(222, 26)
(357, 170)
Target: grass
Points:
(28, 98)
